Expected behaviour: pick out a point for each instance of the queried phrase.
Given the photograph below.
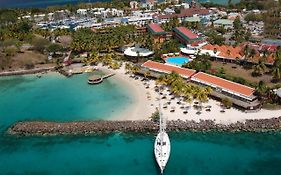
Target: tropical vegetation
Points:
(179, 87)
(200, 63)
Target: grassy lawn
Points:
(235, 70)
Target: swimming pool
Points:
(179, 61)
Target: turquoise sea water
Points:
(54, 97)
(46, 3)
(124, 154)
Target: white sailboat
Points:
(162, 144)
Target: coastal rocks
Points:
(24, 72)
(42, 128)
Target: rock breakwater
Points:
(40, 128)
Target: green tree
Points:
(276, 69)
(259, 68)
(54, 48)
(39, 44)
(200, 63)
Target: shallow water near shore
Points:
(125, 154)
(56, 98)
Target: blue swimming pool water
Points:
(177, 60)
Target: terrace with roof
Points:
(160, 68)
(186, 36)
(241, 95)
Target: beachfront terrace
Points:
(241, 95)
(166, 69)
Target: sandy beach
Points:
(147, 101)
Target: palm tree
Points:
(147, 74)
(276, 70)
(208, 90)
(135, 69)
(162, 80)
(262, 89)
(107, 59)
(128, 67)
(246, 52)
(201, 95)
(259, 68)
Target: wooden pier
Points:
(108, 75)
(98, 79)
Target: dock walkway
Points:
(108, 75)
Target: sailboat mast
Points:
(161, 122)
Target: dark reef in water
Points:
(41, 128)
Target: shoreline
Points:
(145, 102)
(140, 109)
(27, 72)
(42, 128)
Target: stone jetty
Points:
(41, 128)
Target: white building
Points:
(134, 4)
(82, 11)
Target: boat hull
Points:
(162, 148)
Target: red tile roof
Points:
(156, 28)
(226, 51)
(187, 32)
(224, 84)
(168, 68)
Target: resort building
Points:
(136, 53)
(137, 20)
(159, 35)
(241, 95)
(223, 53)
(186, 36)
(158, 69)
